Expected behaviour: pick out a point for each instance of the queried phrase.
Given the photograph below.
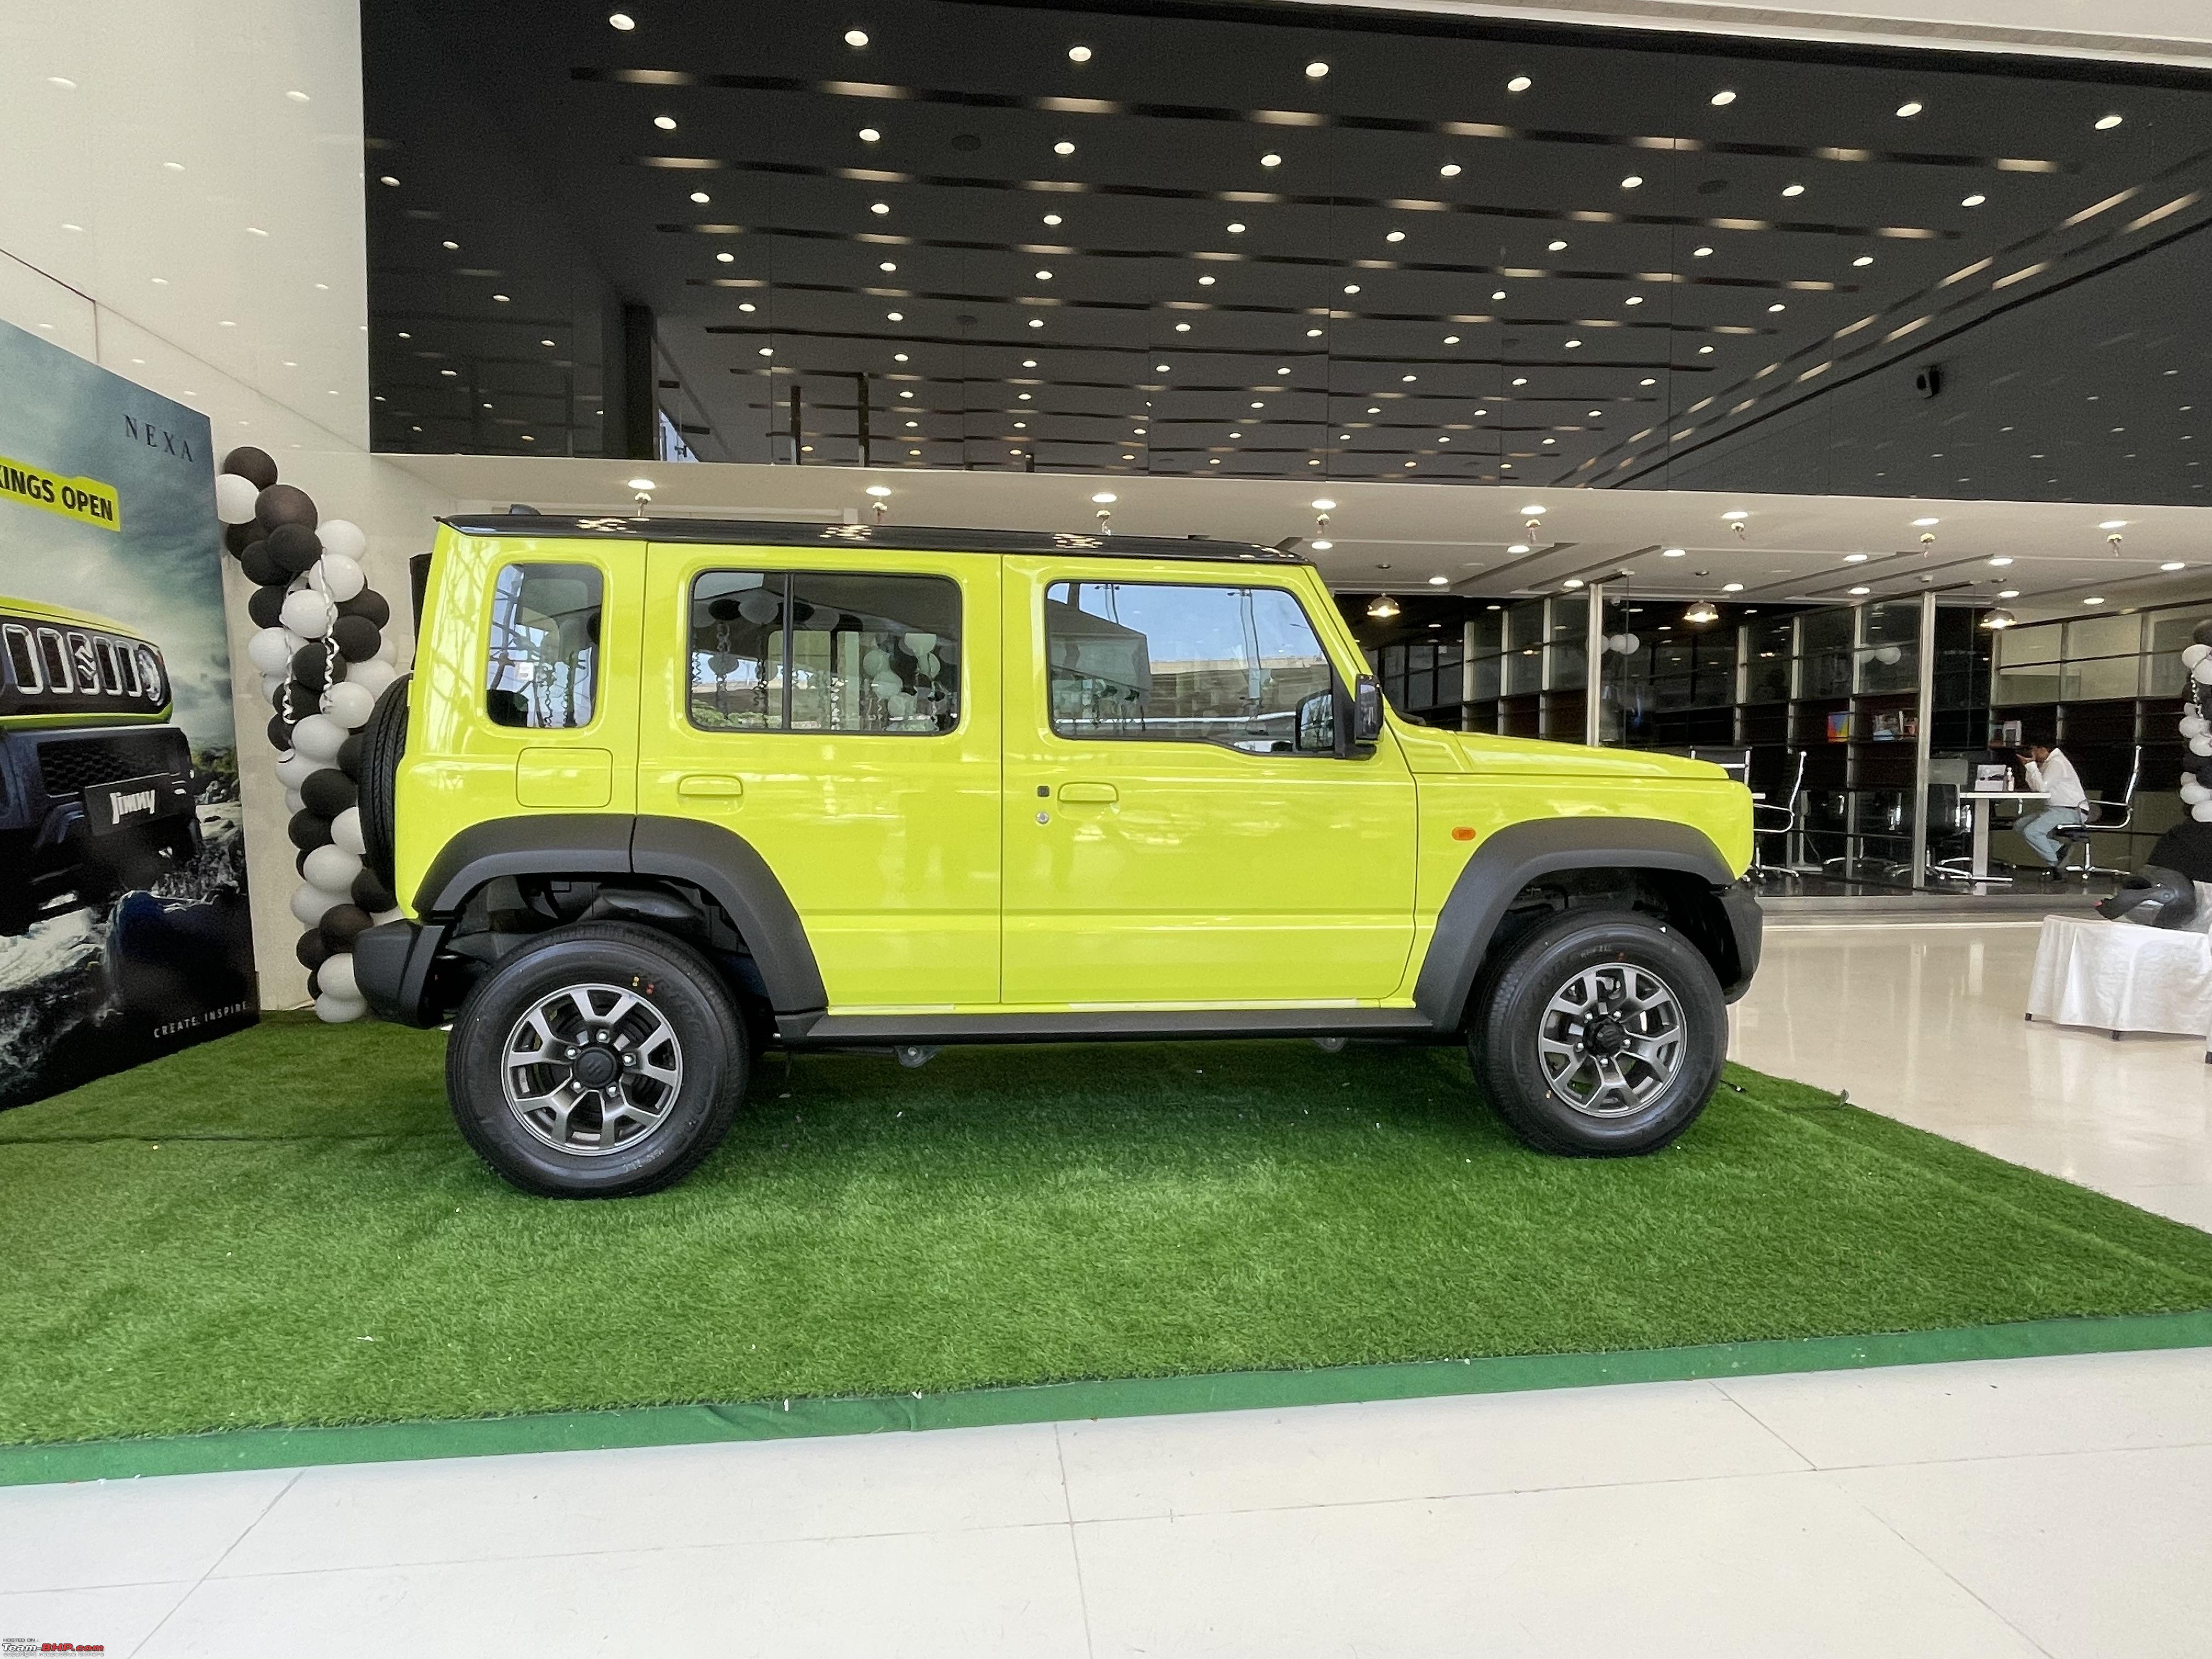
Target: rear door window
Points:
(542, 671)
(824, 650)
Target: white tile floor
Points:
(2061, 1507)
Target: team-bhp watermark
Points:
(32, 1645)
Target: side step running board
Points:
(879, 1031)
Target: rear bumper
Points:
(1746, 926)
(391, 964)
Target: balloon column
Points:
(2197, 727)
(324, 661)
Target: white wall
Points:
(2178, 31)
(264, 333)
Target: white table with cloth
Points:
(2122, 976)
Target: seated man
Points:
(2050, 772)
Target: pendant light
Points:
(1383, 607)
(1998, 619)
(1700, 611)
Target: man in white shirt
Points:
(2050, 772)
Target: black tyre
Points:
(644, 1062)
(383, 745)
(1599, 1034)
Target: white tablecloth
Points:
(2122, 976)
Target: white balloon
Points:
(920, 644)
(341, 537)
(332, 868)
(388, 650)
(2202, 672)
(295, 769)
(2193, 654)
(2201, 746)
(271, 685)
(318, 737)
(927, 665)
(346, 831)
(309, 614)
(2202, 812)
(2193, 726)
(338, 576)
(335, 977)
(373, 677)
(875, 660)
(340, 1011)
(899, 704)
(348, 704)
(270, 651)
(235, 497)
(293, 801)
(311, 904)
(2192, 791)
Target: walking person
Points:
(2049, 772)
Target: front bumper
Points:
(1747, 925)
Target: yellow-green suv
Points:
(663, 792)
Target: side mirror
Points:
(1316, 724)
(1367, 711)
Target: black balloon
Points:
(260, 566)
(309, 831)
(328, 792)
(280, 733)
(282, 504)
(367, 602)
(254, 465)
(343, 924)
(315, 982)
(305, 699)
(371, 895)
(294, 547)
(358, 638)
(235, 536)
(265, 605)
(349, 756)
(311, 665)
(300, 862)
(313, 950)
(2203, 636)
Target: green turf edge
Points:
(802, 1418)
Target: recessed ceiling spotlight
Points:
(1634, 181)
(1182, 328)
(727, 258)
(174, 167)
(2094, 598)
(666, 123)
(745, 305)
(1448, 170)
(1975, 200)
(1793, 190)
(1634, 300)
(1571, 581)
(2173, 564)
(2002, 560)
(879, 489)
(621, 20)
(1859, 592)
(2010, 593)
(856, 38)
(1271, 160)
(301, 98)
(1161, 368)
(701, 196)
(1320, 546)
(1863, 259)
(1236, 230)
(501, 298)
(1701, 254)
(768, 351)
(1407, 378)
(1777, 305)
(1499, 295)
(1736, 516)
(2113, 523)
(888, 265)
(1909, 110)
(1079, 54)
(642, 483)
(1855, 558)
(896, 316)
(1065, 147)
(1036, 322)
(1705, 351)
(879, 207)
(1519, 83)
(1672, 552)
(1316, 69)
(1517, 547)
(1519, 380)
(1572, 344)
(900, 357)
(1352, 288)
(387, 179)
(869, 135)
(1924, 524)
(1534, 510)
(1647, 381)
(1395, 236)
(1557, 248)
(2106, 123)
(1044, 275)
(1722, 98)
(1206, 282)
(1731, 587)
(1313, 334)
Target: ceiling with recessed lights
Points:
(1222, 241)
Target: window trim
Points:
(688, 598)
(599, 648)
(1337, 683)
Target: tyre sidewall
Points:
(670, 976)
(1502, 1035)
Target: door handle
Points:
(1091, 792)
(710, 784)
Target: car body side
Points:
(869, 888)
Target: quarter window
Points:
(542, 670)
(1171, 663)
(818, 651)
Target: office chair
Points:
(1780, 818)
(2083, 835)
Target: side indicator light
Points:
(1463, 832)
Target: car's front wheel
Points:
(599, 1060)
(1600, 1033)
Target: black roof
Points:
(916, 538)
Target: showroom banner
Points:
(124, 932)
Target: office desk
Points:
(1978, 865)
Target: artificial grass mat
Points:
(282, 1228)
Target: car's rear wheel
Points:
(599, 1060)
(1600, 1034)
